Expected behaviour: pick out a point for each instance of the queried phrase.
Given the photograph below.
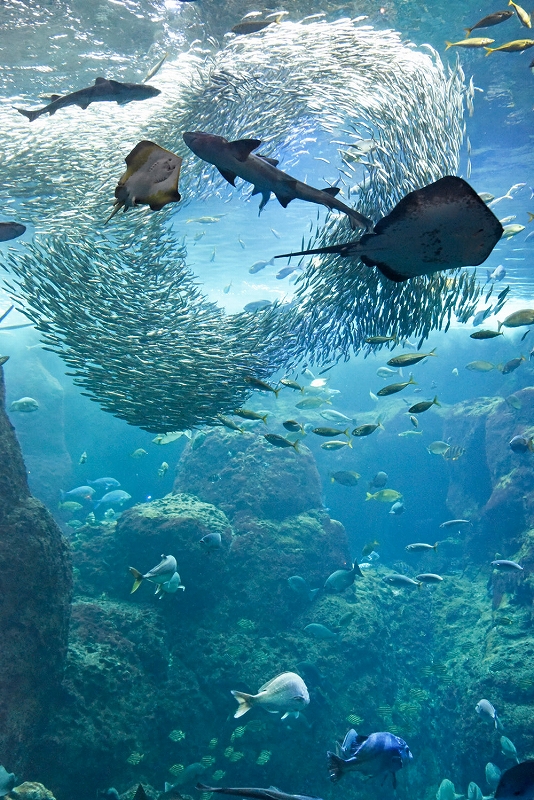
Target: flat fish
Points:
(443, 226)
(151, 178)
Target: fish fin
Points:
(349, 443)
(277, 392)
(242, 148)
(101, 80)
(264, 418)
(432, 352)
(284, 201)
(116, 207)
(272, 161)
(435, 401)
(31, 115)
(312, 594)
(449, 44)
(356, 569)
(369, 496)
(83, 105)
(228, 176)
(435, 547)
(265, 197)
(347, 249)
(138, 579)
(54, 97)
(331, 190)
(530, 216)
(335, 766)
(468, 31)
(245, 702)
(202, 788)
(489, 50)
(285, 715)
(531, 444)
(388, 273)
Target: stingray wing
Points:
(445, 225)
(151, 178)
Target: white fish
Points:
(287, 692)
(25, 404)
(161, 573)
(487, 711)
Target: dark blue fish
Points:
(378, 754)
(11, 230)
(517, 783)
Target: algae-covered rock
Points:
(35, 589)
(30, 790)
(243, 473)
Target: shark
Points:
(272, 793)
(236, 160)
(103, 90)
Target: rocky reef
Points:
(147, 688)
(35, 591)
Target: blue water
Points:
(65, 45)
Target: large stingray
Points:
(151, 178)
(443, 226)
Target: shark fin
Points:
(83, 105)
(242, 148)
(265, 197)
(272, 161)
(100, 80)
(331, 190)
(54, 97)
(228, 176)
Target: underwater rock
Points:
(30, 790)
(35, 588)
(42, 434)
(245, 476)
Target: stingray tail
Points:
(31, 115)
(347, 249)
(117, 207)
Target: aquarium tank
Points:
(266, 400)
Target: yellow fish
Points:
(523, 15)
(517, 46)
(480, 41)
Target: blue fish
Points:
(115, 498)
(378, 754)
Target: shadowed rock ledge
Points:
(35, 592)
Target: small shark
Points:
(272, 793)
(101, 91)
(235, 160)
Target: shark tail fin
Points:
(530, 216)
(31, 115)
(435, 546)
(244, 701)
(138, 579)
(335, 766)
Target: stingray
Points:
(151, 178)
(444, 225)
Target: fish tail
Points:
(335, 766)
(312, 594)
(244, 701)
(138, 579)
(449, 44)
(264, 418)
(435, 401)
(468, 31)
(346, 433)
(433, 352)
(295, 446)
(277, 392)
(489, 50)
(411, 379)
(499, 326)
(117, 207)
(349, 443)
(531, 444)
(369, 496)
(31, 115)
(435, 547)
